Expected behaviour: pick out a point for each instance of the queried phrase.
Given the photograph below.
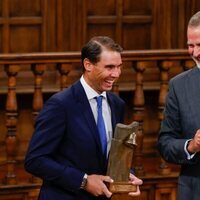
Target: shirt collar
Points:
(90, 92)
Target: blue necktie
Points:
(101, 125)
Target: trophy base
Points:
(122, 187)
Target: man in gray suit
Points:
(179, 138)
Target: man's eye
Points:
(109, 67)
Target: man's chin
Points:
(107, 88)
(197, 62)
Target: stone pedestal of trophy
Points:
(120, 158)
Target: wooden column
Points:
(164, 67)
(38, 71)
(188, 64)
(11, 123)
(64, 70)
(138, 114)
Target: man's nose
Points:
(116, 72)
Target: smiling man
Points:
(179, 138)
(70, 146)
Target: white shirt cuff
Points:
(189, 156)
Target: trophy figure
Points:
(120, 158)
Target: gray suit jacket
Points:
(181, 121)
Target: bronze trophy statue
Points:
(120, 159)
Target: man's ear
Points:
(87, 64)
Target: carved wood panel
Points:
(65, 25)
(23, 27)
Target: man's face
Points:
(103, 74)
(193, 35)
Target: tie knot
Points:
(99, 100)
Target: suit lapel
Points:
(193, 86)
(85, 110)
(113, 110)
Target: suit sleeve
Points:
(40, 159)
(171, 141)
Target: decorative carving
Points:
(138, 113)
(38, 71)
(11, 123)
(164, 67)
(64, 70)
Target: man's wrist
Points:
(84, 181)
(190, 148)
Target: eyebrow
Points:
(111, 65)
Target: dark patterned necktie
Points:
(101, 125)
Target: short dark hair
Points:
(194, 20)
(94, 47)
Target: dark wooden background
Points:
(65, 25)
(28, 26)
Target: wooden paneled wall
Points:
(65, 25)
(28, 80)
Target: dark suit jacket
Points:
(66, 144)
(181, 121)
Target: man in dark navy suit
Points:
(66, 149)
(179, 139)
